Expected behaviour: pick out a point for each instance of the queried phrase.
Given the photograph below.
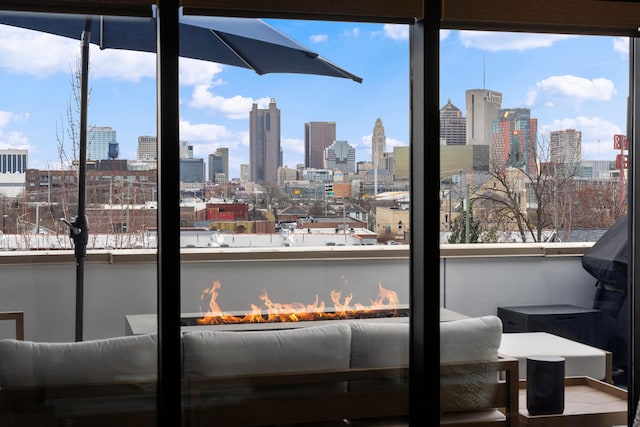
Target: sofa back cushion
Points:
(229, 353)
(474, 339)
(28, 364)
(379, 344)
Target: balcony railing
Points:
(474, 279)
(118, 283)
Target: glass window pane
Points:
(300, 183)
(74, 344)
(533, 173)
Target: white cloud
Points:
(396, 31)
(36, 53)
(354, 32)
(17, 140)
(557, 89)
(121, 64)
(5, 118)
(597, 135)
(237, 107)
(293, 150)
(292, 145)
(206, 137)
(444, 34)
(40, 54)
(12, 138)
(497, 41)
(203, 132)
(392, 142)
(194, 72)
(318, 38)
(621, 45)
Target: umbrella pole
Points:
(80, 227)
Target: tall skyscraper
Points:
(98, 140)
(186, 150)
(147, 148)
(514, 140)
(401, 157)
(483, 106)
(317, 137)
(341, 156)
(565, 146)
(192, 170)
(453, 127)
(224, 153)
(378, 145)
(215, 167)
(265, 153)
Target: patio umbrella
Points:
(240, 42)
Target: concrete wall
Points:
(45, 290)
(477, 286)
(117, 285)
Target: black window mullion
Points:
(169, 370)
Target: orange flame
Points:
(296, 311)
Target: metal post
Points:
(79, 228)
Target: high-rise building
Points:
(192, 170)
(13, 169)
(265, 153)
(565, 146)
(317, 137)
(215, 167)
(378, 145)
(401, 157)
(483, 106)
(245, 173)
(186, 150)
(224, 153)
(453, 126)
(341, 156)
(147, 148)
(514, 140)
(286, 174)
(98, 140)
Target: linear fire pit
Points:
(137, 324)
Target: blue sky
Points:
(35, 74)
(567, 82)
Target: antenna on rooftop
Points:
(484, 72)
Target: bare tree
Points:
(68, 132)
(532, 196)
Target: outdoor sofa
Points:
(342, 370)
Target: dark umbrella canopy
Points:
(240, 42)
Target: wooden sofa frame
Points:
(504, 397)
(256, 400)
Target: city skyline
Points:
(35, 76)
(568, 82)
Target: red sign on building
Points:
(620, 142)
(622, 161)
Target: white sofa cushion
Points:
(129, 358)
(379, 344)
(472, 339)
(228, 353)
